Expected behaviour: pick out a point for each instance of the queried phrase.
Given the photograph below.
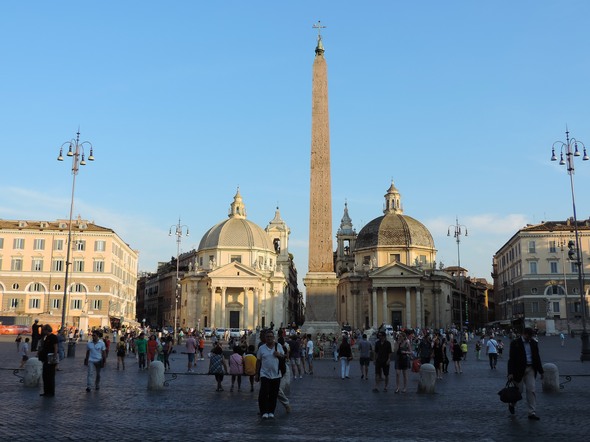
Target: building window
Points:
(81, 245)
(37, 265)
(58, 265)
(200, 261)
(16, 265)
(531, 246)
(235, 258)
(78, 265)
(534, 291)
(57, 287)
(1, 243)
(36, 287)
(58, 244)
(555, 306)
(55, 303)
(78, 288)
(574, 267)
(535, 306)
(34, 303)
(15, 286)
(533, 267)
(96, 304)
(14, 303)
(552, 247)
(553, 267)
(394, 257)
(18, 243)
(97, 288)
(98, 266)
(39, 244)
(366, 260)
(100, 246)
(76, 304)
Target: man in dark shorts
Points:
(364, 356)
(383, 353)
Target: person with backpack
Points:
(492, 352)
(121, 352)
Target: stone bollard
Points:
(427, 379)
(156, 376)
(33, 372)
(550, 378)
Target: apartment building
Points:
(536, 284)
(102, 274)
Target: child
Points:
(236, 368)
(250, 365)
(24, 352)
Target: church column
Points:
(222, 307)
(244, 317)
(385, 316)
(374, 308)
(408, 308)
(255, 307)
(419, 308)
(437, 316)
(212, 320)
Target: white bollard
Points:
(156, 376)
(427, 379)
(33, 372)
(550, 378)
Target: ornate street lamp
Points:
(178, 229)
(575, 253)
(76, 151)
(458, 231)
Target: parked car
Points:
(220, 333)
(207, 332)
(235, 333)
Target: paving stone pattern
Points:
(324, 407)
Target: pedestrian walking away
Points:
(492, 352)
(383, 353)
(364, 348)
(524, 362)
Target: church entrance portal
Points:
(396, 319)
(234, 319)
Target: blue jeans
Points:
(93, 375)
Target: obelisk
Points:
(320, 282)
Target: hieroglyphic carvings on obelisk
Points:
(320, 217)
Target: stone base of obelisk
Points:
(321, 304)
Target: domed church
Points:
(241, 275)
(387, 272)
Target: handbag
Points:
(510, 393)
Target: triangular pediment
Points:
(396, 270)
(234, 269)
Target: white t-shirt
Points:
(310, 347)
(269, 367)
(95, 350)
(492, 346)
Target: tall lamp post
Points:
(575, 254)
(458, 231)
(76, 151)
(562, 244)
(178, 229)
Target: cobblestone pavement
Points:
(324, 407)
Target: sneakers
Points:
(272, 416)
(265, 416)
(511, 408)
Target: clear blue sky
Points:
(458, 102)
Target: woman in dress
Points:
(402, 362)
(217, 365)
(438, 351)
(152, 347)
(236, 367)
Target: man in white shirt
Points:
(492, 352)
(96, 356)
(268, 374)
(309, 347)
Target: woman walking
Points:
(402, 362)
(345, 354)
(457, 356)
(438, 350)
(236, 367)
(217, 365)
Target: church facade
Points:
(241, 276)
(387, 272)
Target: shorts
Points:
(191, 357)
(365, 362)
(310, 357)
(381, 368)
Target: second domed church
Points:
(387, 272)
